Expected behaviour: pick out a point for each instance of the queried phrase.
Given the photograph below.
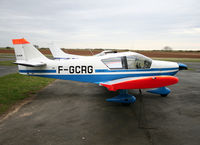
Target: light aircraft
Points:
(115, 71)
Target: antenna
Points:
(91, 51)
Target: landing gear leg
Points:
(140, 91)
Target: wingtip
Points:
(20, 41)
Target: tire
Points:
(126, 104)
(163, 95)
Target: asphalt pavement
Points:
(5, 70)
(74, 113)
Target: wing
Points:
(140, 82)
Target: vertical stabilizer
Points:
(59, 54)
(26, 54)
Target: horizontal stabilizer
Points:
(30, 64)
(140, 82)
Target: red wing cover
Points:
(140, 82)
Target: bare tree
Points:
(36, 46)
(8, 47)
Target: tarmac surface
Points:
(74, 113)
(5, 70)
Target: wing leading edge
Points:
(140, 82)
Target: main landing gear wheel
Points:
(123, 97)
(163, 95)
(163, 91)
(126, 104)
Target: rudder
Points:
(24, 51)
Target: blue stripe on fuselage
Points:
(37, 71)
(103, 70)
(134, 70)
(96, 78)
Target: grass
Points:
(7, 63)
(179, 59)
(16, 87)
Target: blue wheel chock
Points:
(123, 97)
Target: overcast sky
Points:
(129, 24)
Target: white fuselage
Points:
(93, 69)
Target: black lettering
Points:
(60, 69)
(83, 69)
(78, 69)
(71, 69)
(90, 69)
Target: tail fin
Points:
(26, 54)
(59, 54)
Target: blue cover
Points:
(123, 97)
(161, 91)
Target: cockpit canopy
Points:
(136, 61)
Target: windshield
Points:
(138, 62)
(128, 62)
(113, 63)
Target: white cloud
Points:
(189, 31)
(105, 23)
